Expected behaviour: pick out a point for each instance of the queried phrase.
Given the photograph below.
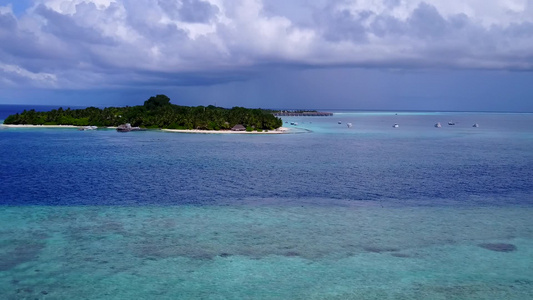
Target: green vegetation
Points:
(157, 112)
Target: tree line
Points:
(157, 112)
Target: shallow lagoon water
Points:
(368, 212)
(265, 252)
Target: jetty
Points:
(302, 114)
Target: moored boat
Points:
(127, 128)
(84, 128)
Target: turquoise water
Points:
(329, 212)
(265, 252)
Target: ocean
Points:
(323, 212)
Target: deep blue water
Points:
(415, 163)
(323, 212)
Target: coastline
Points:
(39, 126)
(275, 131)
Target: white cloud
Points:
(101, 39)
(8, 9)
(16, 74)
(69, 6)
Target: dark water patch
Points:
(28, 293)
(98, 231)
(202, 255)
(111, 226)
(523, 282)
(151, 251)
(199, 251)
(163, 251)
(292, 254)
(204, 252)
(402, 255)
(25, 290)
(475, 291)
(380, 249)
(20, 252)
(498, 247)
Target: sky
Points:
(469, 55)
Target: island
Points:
(156, 113)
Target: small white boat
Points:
(340, 122)
(451, 123)
(127, 128)
(438, 125)
(396, 125)
(349, 125)
(88, 128)
(475, 125)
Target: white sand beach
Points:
(276, 131)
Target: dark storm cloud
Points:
(145, 23)
(8, 22)
(106, 42)
(425, 37)
(65, 28)
(343, 25)
(161, 79)
(24, 49)
(387, 25)
(426, 22)
(10, 36)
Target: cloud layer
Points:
(118, 43)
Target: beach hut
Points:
(238, 127)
